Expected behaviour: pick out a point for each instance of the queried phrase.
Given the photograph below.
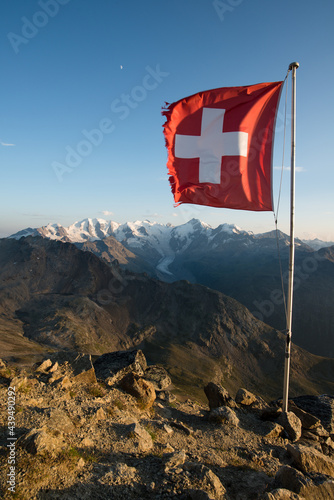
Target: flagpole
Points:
(293, 66)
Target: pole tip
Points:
(293, 65)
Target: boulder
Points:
(210, 485)
(224, 414)
(308, 421)
(175, 460)
(319, 487)
(218, 396)
(141, 438)
(245, 397)
(113, 366)
(44, 366)
(321, 407)
(141, 389)
(309, 460)
(158, 376)
(292, 425)
(40, 441)
(292, 479)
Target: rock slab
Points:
(224, 414)
(114, 366)
(141, 438)
(310, 460)
(292, 425)
(321, 407)
(158, 376)
(245, 397)
(140, 388)
(218, 396)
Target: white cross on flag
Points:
(220, 146)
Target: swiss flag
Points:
(220, 145)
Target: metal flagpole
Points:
(293, 66)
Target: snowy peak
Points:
(140, 229)
(191, 227)
(231, 229)
(90, 230)
(24, 233)
(182, 236)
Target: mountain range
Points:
(98, 229)
(228, 259)
(54, 296)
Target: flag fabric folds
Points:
(220, 145)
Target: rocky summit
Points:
(113, 428)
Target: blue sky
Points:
(72, 67)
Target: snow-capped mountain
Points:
(157, 244)
(160, 242)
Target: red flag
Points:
(220, 145)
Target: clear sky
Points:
(83, 83)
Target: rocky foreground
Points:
(113, 429)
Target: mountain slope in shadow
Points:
(55, 296)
